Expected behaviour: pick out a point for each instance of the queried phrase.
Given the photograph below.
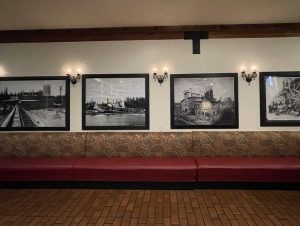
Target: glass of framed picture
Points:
(204, 101)
(280, 98)
(34, 103)
(115, 102)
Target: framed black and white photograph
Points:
(204, 101)
(115, 102)
(34, 103)
(280, 98)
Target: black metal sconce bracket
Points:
(74, 79)
(196, 36)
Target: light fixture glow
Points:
(2, 71)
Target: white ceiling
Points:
(47, 14)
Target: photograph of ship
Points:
(204, 101)
(33, 103)
(115, 102)
(281, 98)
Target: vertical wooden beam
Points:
(196, 46)
(196, 36)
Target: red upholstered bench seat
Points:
(223, 169)
(248, 169)
(36, 169)
(136, 169)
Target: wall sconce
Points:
(160, 77)
(74, 78)
(248, 76)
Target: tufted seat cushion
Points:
(135, 169)
(250, 169)
(36, 169)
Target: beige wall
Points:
(217, 55)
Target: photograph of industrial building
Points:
(32, 104)
(204, 101)
(115, 101)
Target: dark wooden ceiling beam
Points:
(149, 33)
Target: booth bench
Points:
(151, 157)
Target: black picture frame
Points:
(110, 110)
(201, 110)
(279, 98)
(28, 104)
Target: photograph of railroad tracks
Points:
(280, 98)
(34, 103)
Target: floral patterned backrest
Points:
(150, 144)
(139, 144)
(42, 144)
(279, 143)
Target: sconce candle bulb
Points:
(160, 77)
